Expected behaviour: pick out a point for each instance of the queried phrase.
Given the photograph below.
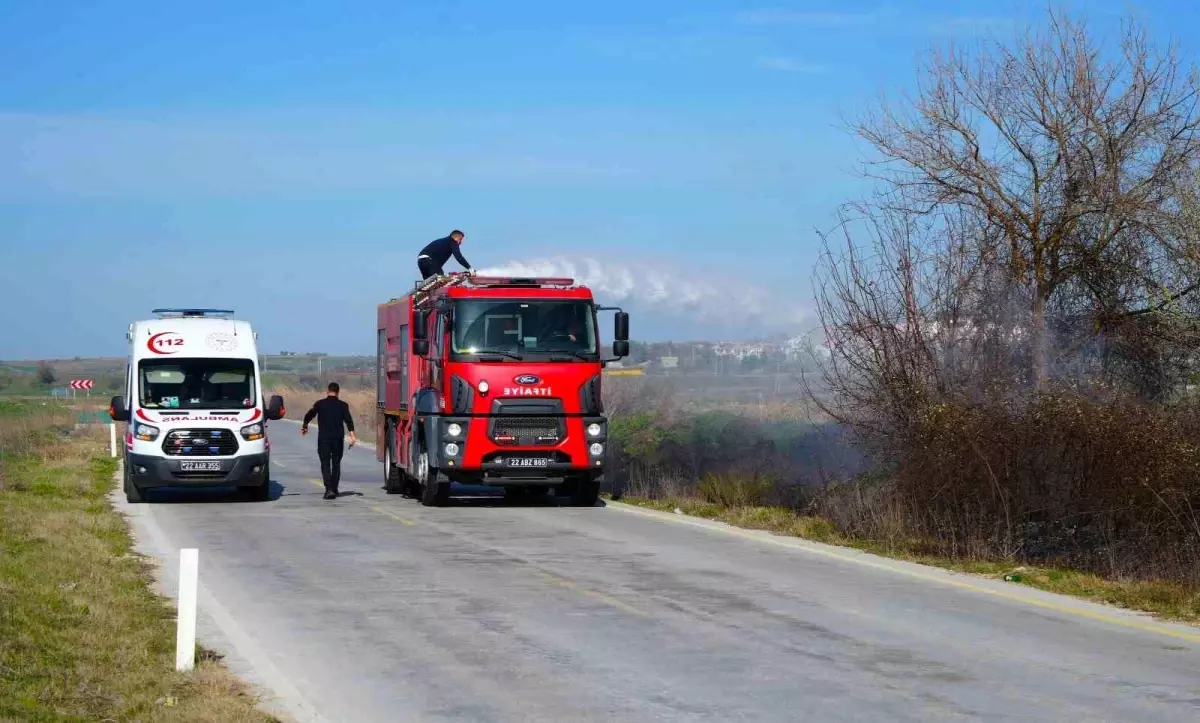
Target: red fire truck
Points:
(493, 381)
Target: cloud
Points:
(791, 65)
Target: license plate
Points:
(528, 462)
(200, 466)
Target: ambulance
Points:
(194, 405)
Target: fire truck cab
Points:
(493, 381)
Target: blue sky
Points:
(289, 159)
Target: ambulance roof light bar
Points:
(193, 313)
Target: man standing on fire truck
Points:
(435, 255)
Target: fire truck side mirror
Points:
(621, 326)
(420, 347)
(620, 349)
(420, 326)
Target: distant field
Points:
(692, 388)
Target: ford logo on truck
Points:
(527, 379)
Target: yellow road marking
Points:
(812, 548)
(394, 516)
(607, 599)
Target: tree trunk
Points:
(1038, 340)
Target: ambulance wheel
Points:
(260, 493)
(435, 492)
(132, 494)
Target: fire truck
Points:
(493, 381)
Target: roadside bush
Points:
(1107, 487)
(733, 489)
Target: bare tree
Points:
(1077, 165)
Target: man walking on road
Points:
(331, 413)
(435, 255)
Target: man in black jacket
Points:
(435, 255)
(331, 414)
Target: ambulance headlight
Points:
(146, 433)
(454, 429)
(252, 432)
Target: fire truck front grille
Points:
(527, 431)
(200, 443)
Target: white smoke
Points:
(729, 301)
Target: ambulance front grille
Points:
(200, 443)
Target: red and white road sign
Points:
(81, 384)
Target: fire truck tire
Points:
(585, 492)
(393, 480)
(435, 491)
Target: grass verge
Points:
(82, 635)
(1168, 600)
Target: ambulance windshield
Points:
(524, 328)
(196, 383)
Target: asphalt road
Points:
(373, 608)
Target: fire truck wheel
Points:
(585, 492)
(435, 492)
(393, 482)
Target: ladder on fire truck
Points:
(424, 289)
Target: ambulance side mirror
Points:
(275, 408)
(117, 410)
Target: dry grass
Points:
(82, 636)
(1169, 600)
(362, 407)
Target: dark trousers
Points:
(330, 452)
(427, 269)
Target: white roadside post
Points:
(185, 636)
(112, 439)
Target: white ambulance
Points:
(194, 405)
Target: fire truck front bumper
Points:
(458, 452)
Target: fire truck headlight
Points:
(454, 429)
(484, 386)
(146, 433)
(452, 450)
(597, 449)
(593, 430)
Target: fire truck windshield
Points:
(524, 329)
(197, 383)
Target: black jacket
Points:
(440, 251)
(331, 414)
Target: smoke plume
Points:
(730, 301)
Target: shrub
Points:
(732, 489)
